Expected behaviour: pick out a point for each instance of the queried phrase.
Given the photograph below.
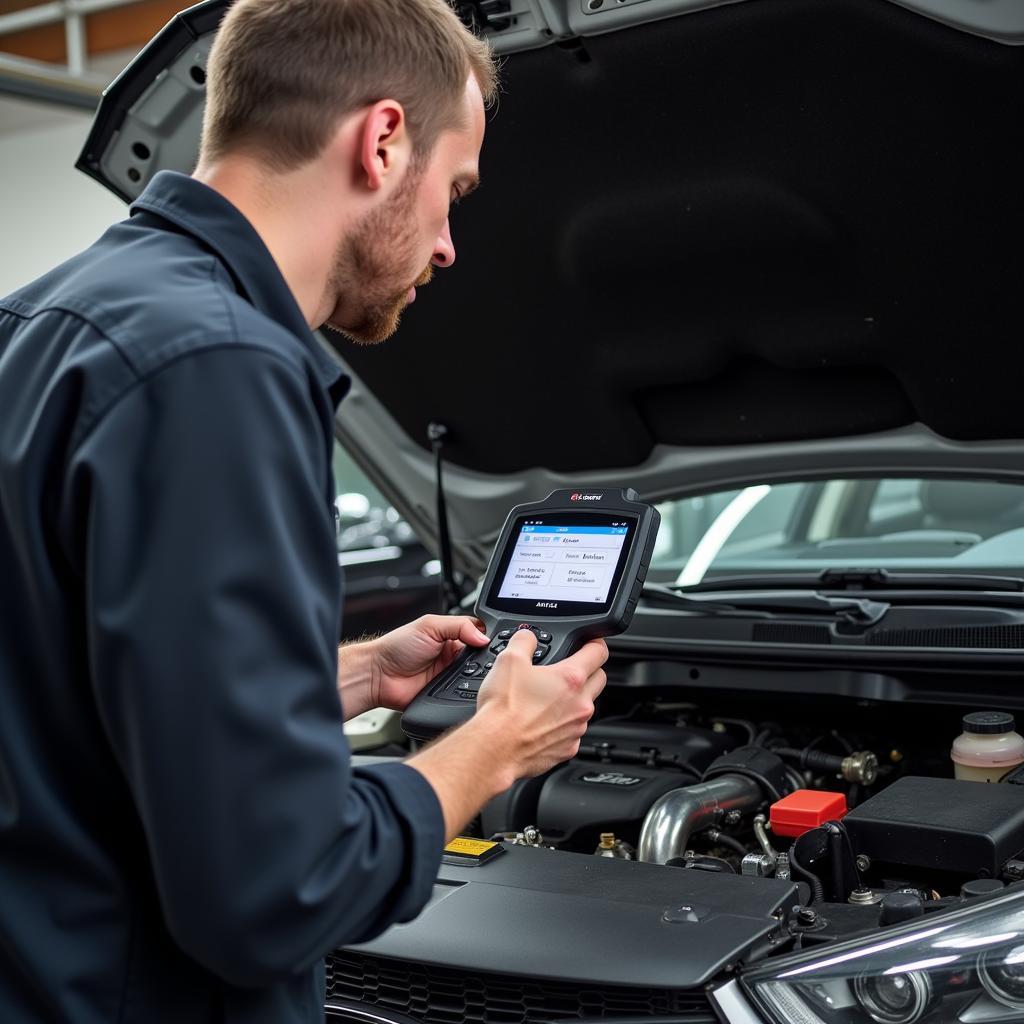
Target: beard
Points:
(371, 268)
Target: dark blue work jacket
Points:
(182, 837)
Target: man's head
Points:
(376, 107)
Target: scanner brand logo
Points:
(585, 497)
(547, 604)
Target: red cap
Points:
(805, 809)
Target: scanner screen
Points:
(563, 564)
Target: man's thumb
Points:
(470, 633)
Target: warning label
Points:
(469, 847)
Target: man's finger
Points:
(523, 643)
(595, 684)
(590, 657)
(470, 633)
(457, 627)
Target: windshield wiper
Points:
(858, 579)
(850, 610)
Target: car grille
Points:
(437, 995)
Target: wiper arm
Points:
(850, 610)
(860, 579)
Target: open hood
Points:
(716, 244)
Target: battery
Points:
(805, 809)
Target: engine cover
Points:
(583, 798)
(616, 784)
(548, 914)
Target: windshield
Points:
(896, 524)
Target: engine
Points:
(868, 842)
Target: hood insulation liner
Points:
(759, 223)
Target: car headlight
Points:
(963, 967)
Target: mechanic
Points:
(182, 836)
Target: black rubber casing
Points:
(439, 708)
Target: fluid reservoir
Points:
(988, 747)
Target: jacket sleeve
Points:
(212, 601)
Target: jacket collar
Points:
(205, 214)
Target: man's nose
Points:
(444, 249)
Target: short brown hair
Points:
(282, 73)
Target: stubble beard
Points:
(370, 264)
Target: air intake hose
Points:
(675, 816)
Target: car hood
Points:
(716, 244)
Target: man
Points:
(182, 837)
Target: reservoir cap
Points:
(989, 722)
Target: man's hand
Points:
(529, 718)
(545, 708)
(406, 659)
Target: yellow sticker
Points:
(469, 847)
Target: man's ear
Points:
(384, 144)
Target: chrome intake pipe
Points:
(675, 816)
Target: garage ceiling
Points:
(56, 51)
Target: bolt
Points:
(863, 862)
(806, 917)
(864, 896)
(860, 767)
(757, 865)
(732, 817)
(782, 870)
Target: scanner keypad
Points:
(467, 683)
(544, 638)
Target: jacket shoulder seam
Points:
(25, 311)
(144, 378)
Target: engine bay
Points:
(770, 841)
(854, 801)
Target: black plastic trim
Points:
(932, 658)
(936, 684)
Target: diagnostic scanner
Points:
(570, 568)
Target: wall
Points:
(48, 210)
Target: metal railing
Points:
(69, 83)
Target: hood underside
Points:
(763, 223)
(763, 240)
